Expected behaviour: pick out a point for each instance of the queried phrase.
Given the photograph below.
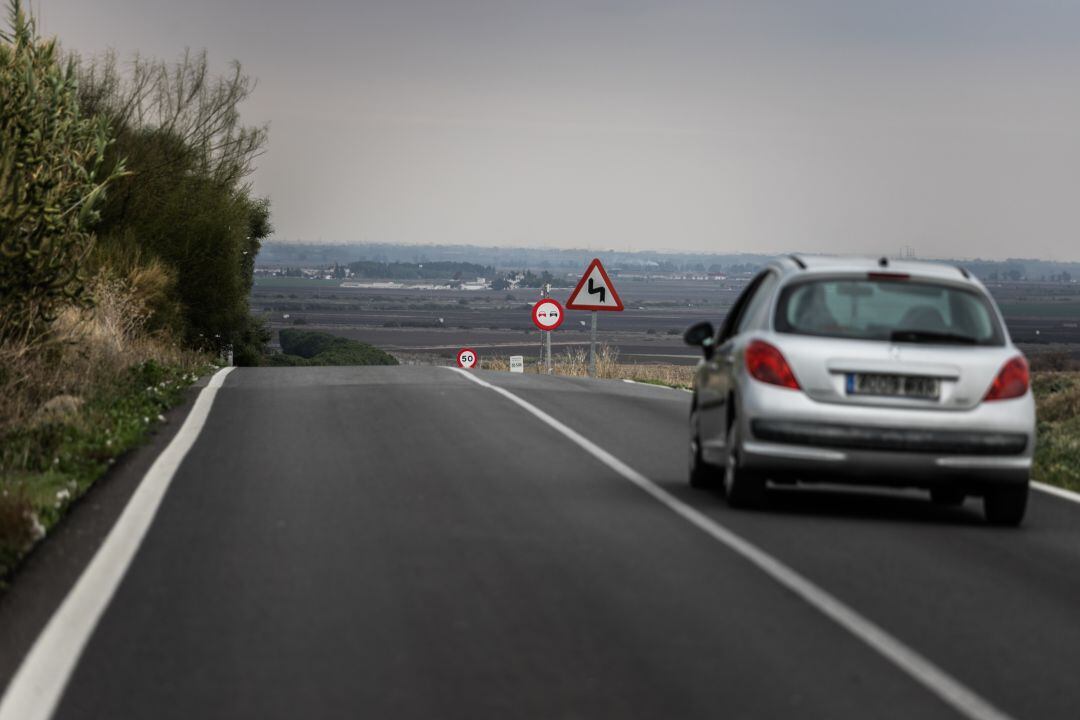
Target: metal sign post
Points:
(547, 347)
(592, 346)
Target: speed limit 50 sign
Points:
(467, 358)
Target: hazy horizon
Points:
(824, 126)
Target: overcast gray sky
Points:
(811, 125)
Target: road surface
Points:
(407, 543)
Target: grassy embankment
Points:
(70, 407)
(1057, 394)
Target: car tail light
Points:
(1012, 382)
(765, 363)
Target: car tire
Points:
(1005, 505)
(702, 476)
(947, 497)
(744, 488)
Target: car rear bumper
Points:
(790, 436)
(861, 437)
(874, 467)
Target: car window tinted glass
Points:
(759, 302)
(887, 309)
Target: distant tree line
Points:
(324, 254)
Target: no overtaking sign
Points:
(547, 314)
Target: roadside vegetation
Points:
(311, 347)
(127, 241)
(1057, 454)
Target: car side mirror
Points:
(702, 335)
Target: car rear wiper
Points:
(928, 336)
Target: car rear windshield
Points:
(891, 309)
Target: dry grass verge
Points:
(73, 401)
(575, 362)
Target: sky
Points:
(951, 126)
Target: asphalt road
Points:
(405, 543)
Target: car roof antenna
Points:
(883, 262)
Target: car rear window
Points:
(891, 309)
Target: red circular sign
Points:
(467, 358)
(548, 314)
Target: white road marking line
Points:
(1059, 492)
(36, 689)
(951, 691)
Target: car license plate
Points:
(909, 386)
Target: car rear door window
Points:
(887, 309)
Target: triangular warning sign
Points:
(594, 291)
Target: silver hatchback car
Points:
(853, 370)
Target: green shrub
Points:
(311, 347)
(186, 203)
(52, 179)
(307, 343)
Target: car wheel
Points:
(702, 476)
(1005, 504)
(948, 497)
(744, 488)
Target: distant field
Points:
(290, 282)
(1062, 310)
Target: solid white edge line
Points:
(38, 685)
(1056, 491)
(647, 384)
(930, 676)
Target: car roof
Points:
(794, 264)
